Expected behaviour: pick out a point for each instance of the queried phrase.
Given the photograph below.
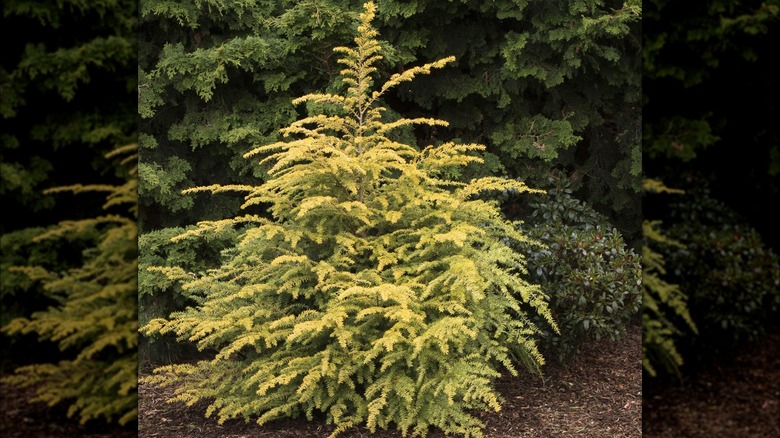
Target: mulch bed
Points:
(21, 419)
(734, 395)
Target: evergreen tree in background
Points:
(543, 86)
(378, 292)
(692, 52)
(66, 86)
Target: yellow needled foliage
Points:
(378, 293)
(94, 322)
(660, 299)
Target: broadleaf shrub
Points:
(732, 279)
(592, 277)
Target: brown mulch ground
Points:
(20, 419)
(735, 395)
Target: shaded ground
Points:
(20, 419)
(597, 395)
(736, 395)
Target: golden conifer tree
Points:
(377, 292)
